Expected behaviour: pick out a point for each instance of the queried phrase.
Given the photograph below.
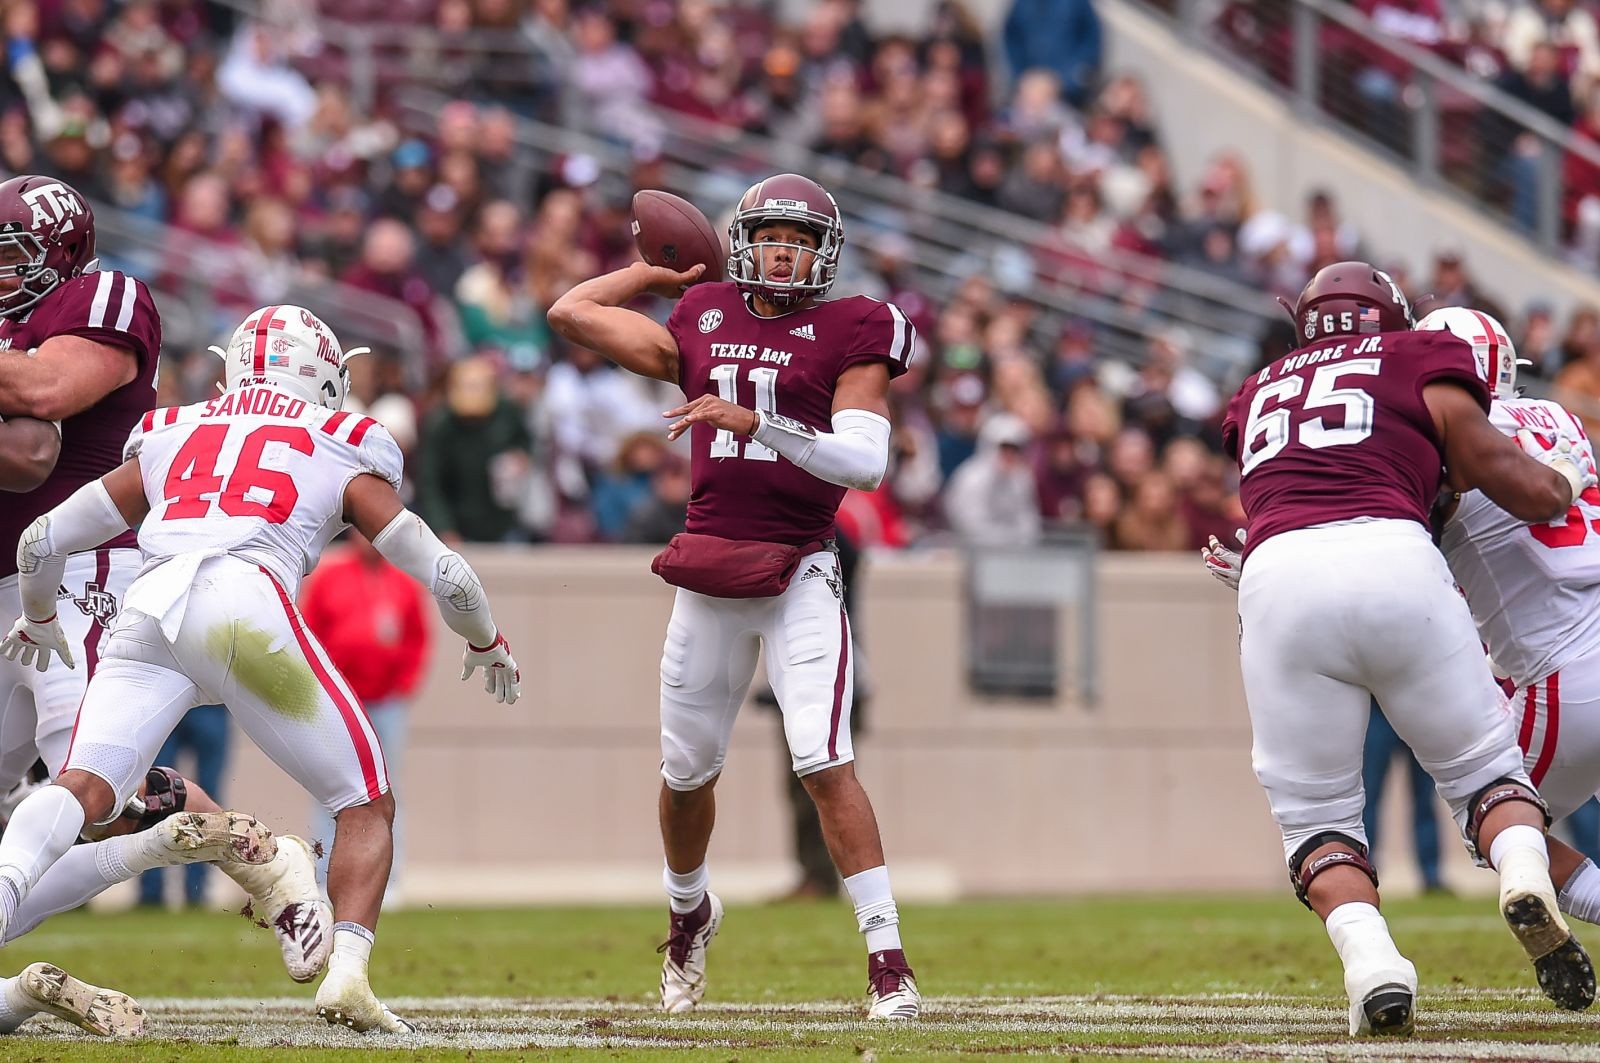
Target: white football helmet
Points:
(291, 348)
(1491, 345)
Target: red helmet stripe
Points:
(1493, 368)
(263, 323)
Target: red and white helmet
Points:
(291, 348)
(792, 198)
(1491, 345)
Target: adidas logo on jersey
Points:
(814, 572)
(804, 332)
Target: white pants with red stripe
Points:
(1558, 727)
(37, 708)
(1333, 616)
(242, 643)
(710, 658)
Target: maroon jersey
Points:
(107, 307)
(1338, 430)
(786, 364)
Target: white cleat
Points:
(891, 988)
(683, 972)
(346, 999)
(1383, 1000)
(284, 896)
(99, 1011)
(223, 838)
(1528, 903)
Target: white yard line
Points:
(1249, 1026)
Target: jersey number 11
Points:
(765, 379)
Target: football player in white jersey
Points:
(1534, 592)
(238, 496)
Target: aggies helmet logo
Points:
(52, 203)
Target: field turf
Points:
(1207, 978)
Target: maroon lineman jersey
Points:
(1338, 430)
(786, 364)
(107, 307)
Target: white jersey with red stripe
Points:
(256, 473)
(1534, 589)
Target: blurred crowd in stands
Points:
(276, 172)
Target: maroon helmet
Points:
(786, 197)
(52, 228)
(1350, 299)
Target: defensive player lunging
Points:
(1343, 597)
(768, 367)
(79, 350)
(238, 496)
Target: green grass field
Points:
(1206, 978)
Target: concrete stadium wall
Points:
(554, 799)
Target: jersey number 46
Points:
(193, 475)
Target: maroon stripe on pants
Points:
(1529, 713)
(838, 685)
(91, 641)
(91, 646)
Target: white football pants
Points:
(37, 708)
(1557, 721)
(241, 642)
(1332, 615)
(710, 658)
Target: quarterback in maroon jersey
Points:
(787, 407)
(1343, 598)
(78, 361)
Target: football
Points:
(670, 231)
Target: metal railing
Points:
(202, 288)
(1452, 130)
(1127, 297)
(354, 43)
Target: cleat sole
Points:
(1565, 972)
(1390, 1011)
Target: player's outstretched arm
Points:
(28, 452)
(593, 315)
(373, 506)
(1477, 455)
(95, 512)
(65, 376)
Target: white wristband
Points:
(855, 454)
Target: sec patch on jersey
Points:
(670, 231)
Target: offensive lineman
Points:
(1533, 591)
(1343, 597)
(238, 496)
(79, 350)
(767, 367)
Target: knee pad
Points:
(1301, 874)
(165, 794)
(1498, 792)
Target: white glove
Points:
(32, 642)
(1560, 455)
(1224, 563)
(500, 674)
